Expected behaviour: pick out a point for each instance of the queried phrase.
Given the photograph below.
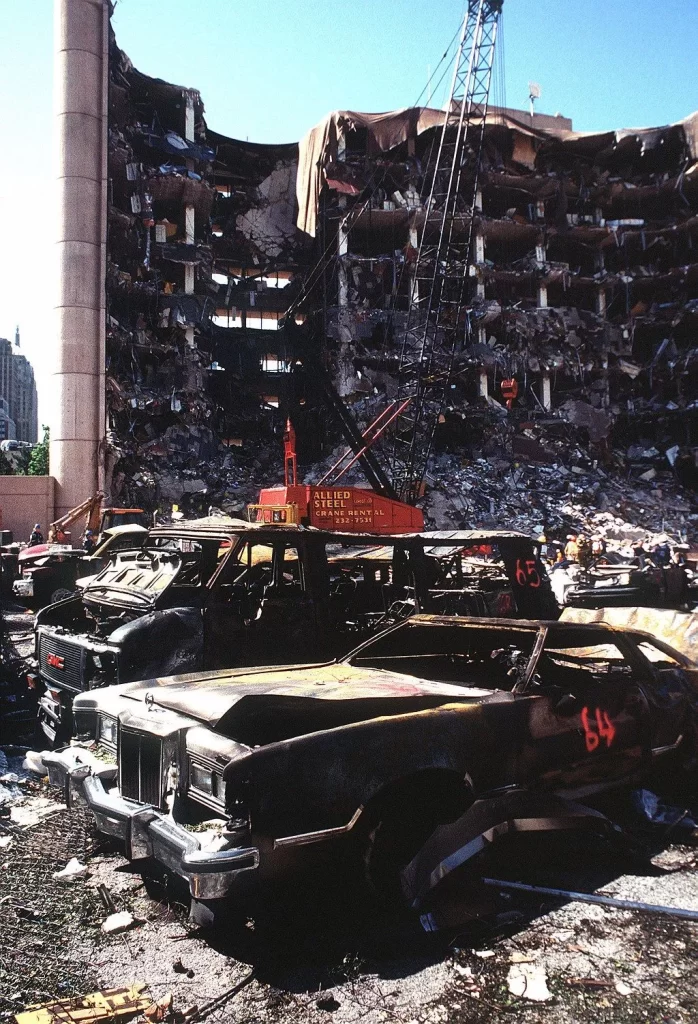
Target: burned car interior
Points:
(484, 657)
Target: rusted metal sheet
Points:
(484, 824)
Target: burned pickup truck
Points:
(408, 756)
(218, 592)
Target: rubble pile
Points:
(544, 478)
(569, 491)
(190, 467)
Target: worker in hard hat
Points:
(583, 551)
(37, 536)
(571, 549)
(88, 542)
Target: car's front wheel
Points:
(403, 822)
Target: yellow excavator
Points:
(97, 519)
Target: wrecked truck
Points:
(50, 572)
(409, 756)
(217, 592)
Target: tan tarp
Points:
(678, 629)
(649, 136)
(318, 148)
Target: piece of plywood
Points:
(110, 1003)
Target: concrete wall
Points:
(80, 161)
(25, 500)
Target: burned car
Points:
(409, 755)
(218, 592)
(605, 584)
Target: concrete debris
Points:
(119, 922)
(33, 763)
(73, 869)
(466, 981)
(622, 989)
(529, 981)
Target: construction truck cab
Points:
(112, 517)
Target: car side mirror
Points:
(566, 706)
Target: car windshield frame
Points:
(468, 634)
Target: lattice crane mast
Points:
(436, 325)
(437, 322)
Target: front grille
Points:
(140, 767)
(67, 661)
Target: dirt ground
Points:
(316, 953)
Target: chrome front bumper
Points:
(146, 831)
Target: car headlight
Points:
(203, 780)
(97, 660)
(108, 730)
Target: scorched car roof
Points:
(224, 526)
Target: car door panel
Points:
(589, 718)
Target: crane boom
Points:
(437, 320)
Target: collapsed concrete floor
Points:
(318, 953)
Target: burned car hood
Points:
(133, 579)
(224, 700)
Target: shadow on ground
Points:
(323, 931)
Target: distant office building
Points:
(18, 389)
(8, 431)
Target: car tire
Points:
(61, 594)
(400, 829)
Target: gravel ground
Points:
(315, 954)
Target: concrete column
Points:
(546, 392)
(189, 218)
(414, 287)
(80, 168)
(542, 296)
(479, 259)
(482, 386)
(342, 236)
(601, 302)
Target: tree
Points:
(38, 463)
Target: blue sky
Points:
(269, 71)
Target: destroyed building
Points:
(583, 293)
